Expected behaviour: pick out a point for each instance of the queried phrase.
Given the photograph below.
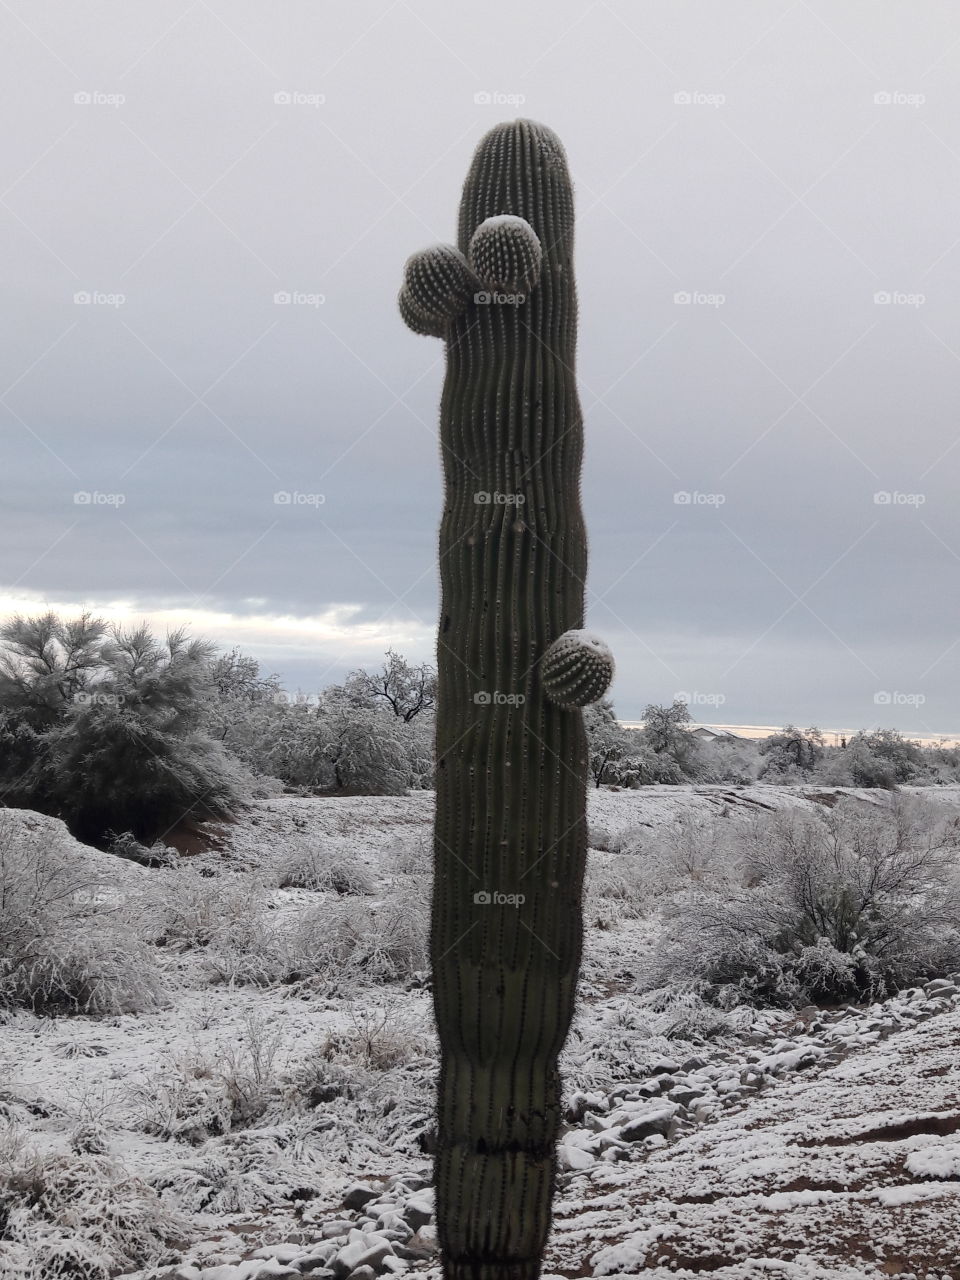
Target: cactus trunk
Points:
(511, 768)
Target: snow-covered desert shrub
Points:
(193, 1098)
(828, 906)
(76, 1217)
(370, 942)
(126, 845)
(681, 1013)
(409, 855)
(377, 1041)
(306, 865)
(615, 890)
(185, 908)
(65, 946)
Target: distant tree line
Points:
(116, 731)
(665, 750)
(120, 733)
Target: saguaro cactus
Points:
(514, 668)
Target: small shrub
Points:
(64, 946)
(847, 903)
(615, 890)
(305, 866)
(76, 1217)
(196, 1098)
(385, 941)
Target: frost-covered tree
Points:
(46, 662)
(790, 754)
(405, 689)
(131, 756)
(617, 755)
(105, 727)
(363, 747)
(666, 732)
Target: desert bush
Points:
(126, 845)
(76, 1217)
(305, 865)
(199, 1096)
(186, 908)
(846, 903)
(369, 942)
(615, 890)
(65, 946)
(107, 723)
(410, 855)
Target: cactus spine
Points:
(514, 668)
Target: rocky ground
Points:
(829, 1148)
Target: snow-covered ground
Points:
(284, 1128)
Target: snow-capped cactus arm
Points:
(577, 669)
(438, 285)
(505, 252)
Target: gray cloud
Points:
(740, 151)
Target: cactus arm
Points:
(511, 772)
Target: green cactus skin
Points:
(511, 772)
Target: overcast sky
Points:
(785, 166)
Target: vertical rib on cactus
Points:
(511, 771)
